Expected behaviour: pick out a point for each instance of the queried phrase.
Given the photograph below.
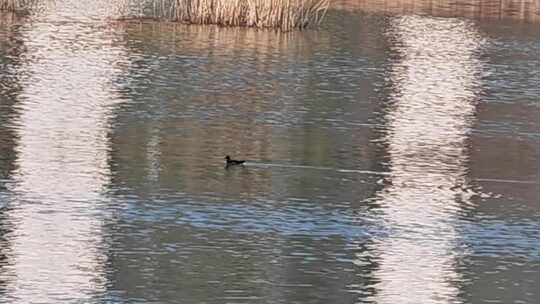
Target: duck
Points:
(233, 162)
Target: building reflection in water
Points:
(62, 153)
(435, 83)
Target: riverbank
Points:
(524, 10)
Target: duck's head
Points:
(227, 157)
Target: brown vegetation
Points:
(15, 5)
(8, 5)
(284, 15)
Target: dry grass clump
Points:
(8, 5)
(284, 15)
(16, 5)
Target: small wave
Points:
(265, 165)
(510, 181)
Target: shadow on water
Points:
(252, 234)
(12, 49)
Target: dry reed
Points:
(16, 5)
(8, 5)
(284, 15)
(281, 14)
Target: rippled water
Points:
(391, 159)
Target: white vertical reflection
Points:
(62, 158)
(435, 82)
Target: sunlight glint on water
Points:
(434, 89)
(62, 163)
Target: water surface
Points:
(391, 159)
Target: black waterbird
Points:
(233, 162)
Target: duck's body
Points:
(233, 162)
